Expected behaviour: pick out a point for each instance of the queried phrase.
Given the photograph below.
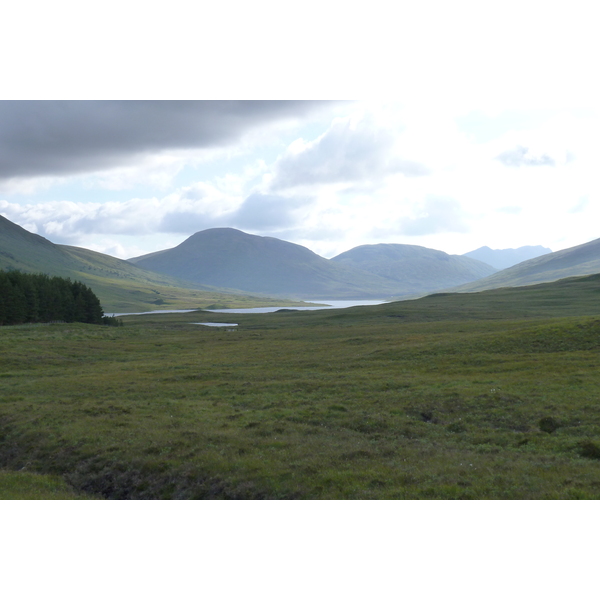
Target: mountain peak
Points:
(503, 259)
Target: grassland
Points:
(489, 395)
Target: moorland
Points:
(488, 395)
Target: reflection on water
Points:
(330, 304)
(217, 324)
(265, 309)
(152, 312)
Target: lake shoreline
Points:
(323, 305)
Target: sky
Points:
(451, 128)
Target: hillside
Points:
(121, 286)
(570, 262)
(503, 259)
(419, 270)
(453, 396)
(28, 252)
(229, 258)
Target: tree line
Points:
(39, 298)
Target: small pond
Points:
(217, 324)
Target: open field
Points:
(24, 485)
(490, 395)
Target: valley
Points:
(490, 393)
(484, 395)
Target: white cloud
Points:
(348, 183)
(357, 148)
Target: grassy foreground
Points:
(490, 395)
(33, 486)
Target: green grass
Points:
(490, 395)
(33, 486)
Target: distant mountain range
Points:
(229, 258)
(226, 261)
(121, 286)
(570, 262)
(226, 257)
(503, 259)
(417, 270)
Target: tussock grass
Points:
(33, 486)
(474, 396)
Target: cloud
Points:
(263, 211)
(68, 222)
(581, 205)
(193, 209)
(53, 138)
(349, 151)
(524, 157)
(510, 210)
(438, 215)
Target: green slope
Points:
(120, 285)
(570, 262)
(28, 252)
(229, 258)
(570, 297)
(419, 270)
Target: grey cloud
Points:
(439, 215)
(40, 138)
(261, 211)
(522, 157)
(344, 154)
(194, 193)
(187, 222)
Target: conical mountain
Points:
(120, 285)
(226, 257)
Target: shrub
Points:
(548, 424)
(589, 449)
(112, 321)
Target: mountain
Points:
(121, 286)
(226, 257)
(419, 270)
(25, 251)
(570, 262)
(503, 259)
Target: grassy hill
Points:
(570, 262)
(226, 257)
(120, 285)
(417, 269)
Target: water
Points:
(267, 309)
(217, 324)
(330, 304)
(153, 312)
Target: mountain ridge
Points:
(418, 269)
(576, 261)
(507, 257)
(120, 285)
(227, 257)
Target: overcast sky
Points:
(487, 134)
